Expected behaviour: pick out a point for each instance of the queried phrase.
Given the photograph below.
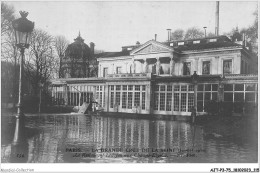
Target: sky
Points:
(113, 24)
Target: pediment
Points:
(151, 47)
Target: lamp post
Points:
(194, 80)
(22, 31)
(205, 30)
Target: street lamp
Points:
(22, 31)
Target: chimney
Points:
(155, 37)
(169, 34)
(92, 48)
(217, 19)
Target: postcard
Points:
(127, 86)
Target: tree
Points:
(40, 62)
(7, 16)
(9, 51)
(193, 33)
(178, 34)
(60, 44)
(252, 34)
(8, 48)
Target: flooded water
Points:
(85, 138)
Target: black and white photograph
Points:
(166, 83)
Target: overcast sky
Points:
(111, 25)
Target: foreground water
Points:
(85, 138)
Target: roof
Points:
(201, 46)
(112, 54)
(221, 42)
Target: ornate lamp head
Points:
(23, 29)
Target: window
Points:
(186, 68)
(124, 99)
(196, 41)
(228, 87)
(191, 87)
(190, 101)
(143, 100)
(162, 101)
(213, 40)
(239, 87)
(137, 99)
(227, 66)
(169, 88)
(250, 87)
(118, 70)
(117, 98)
(183, 102)
(206, 67)
(130, 98)
(183, 87)
(206, 94)
(137, 87)
(162, 87)
(105, 70)
(112, 100)
(168, 101)
(176, 102)
(180, 43)
(118, 87)
(130, 87)
(177, 88)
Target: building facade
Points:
(169, 78)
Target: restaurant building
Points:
(169, 78)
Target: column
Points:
(217, 64)
(106, 100)
(196, 65)
(157, 66)
(149, 102)
(113, 69)
(65, 90)
(195, 96)
(145, 66)
(126, 67)
(133, 62)
(172, 64)
(100, 71)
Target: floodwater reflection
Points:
(73, 139)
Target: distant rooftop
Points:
(112, 54)
(181, 45)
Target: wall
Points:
(216, 62)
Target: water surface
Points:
(85, 138)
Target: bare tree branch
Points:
(60, 44)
